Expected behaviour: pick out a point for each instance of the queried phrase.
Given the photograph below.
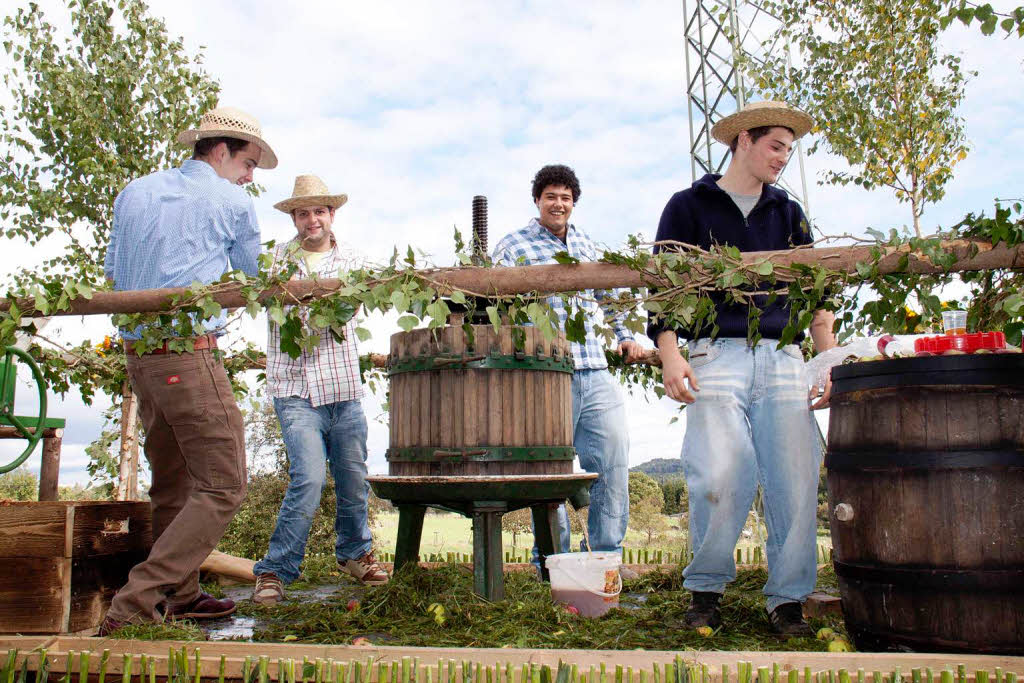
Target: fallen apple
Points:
(352, 605)
(706, 631)
(572, 609)
(838, 645)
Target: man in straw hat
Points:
(749, 421)
(317, 400)
(172, 228)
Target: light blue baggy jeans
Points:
(601, 440)
(315, 436)
(751, 423)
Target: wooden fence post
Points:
(49, 468)
(127, 477)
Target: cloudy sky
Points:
(412, 108)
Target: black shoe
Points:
(704, 610)
(788, 620)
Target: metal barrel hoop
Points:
(492, 361)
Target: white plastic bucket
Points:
(590, 582)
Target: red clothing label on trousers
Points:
(173, 379)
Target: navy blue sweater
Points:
(705, 214)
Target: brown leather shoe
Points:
(108, 626)
(204, 607)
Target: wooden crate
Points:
(61, 562)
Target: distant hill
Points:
(661, 468)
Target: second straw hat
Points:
(310, 191)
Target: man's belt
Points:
(207, 341)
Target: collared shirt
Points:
(535, 245)
(329, 373)
(179, 226)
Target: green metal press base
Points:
(484, 499)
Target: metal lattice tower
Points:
(715, 88)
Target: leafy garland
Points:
(902, 302)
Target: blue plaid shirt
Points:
(179, 226)
(534, 245)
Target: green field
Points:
(448, 532)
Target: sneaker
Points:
(269, 590)
(109, 625)
(365, 570)
(704, 610)
(788, 620)
(204, 607)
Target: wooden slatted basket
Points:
(61, 562)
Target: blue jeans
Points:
(750, 424)
(601, 440)
(334, 434)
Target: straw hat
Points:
(759, 114)
(231, 123)
(310, 191)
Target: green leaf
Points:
(458, 297)
(576, 327)
(407, 322)
(494, 317)
(363, 334)
(276, 314)
(764, 268)
(564, 258)
(438, 313)
(399, 301)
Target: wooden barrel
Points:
(480, 404)
(926, 493)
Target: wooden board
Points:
(235, 654)
(96, 528)
(94, 580)
(62, 562)
(32, 595)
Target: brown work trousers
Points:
(195, 445)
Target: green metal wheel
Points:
(8, 376)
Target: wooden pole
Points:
(133, 480)
(129, 418)
(49, 468)
(566, 278)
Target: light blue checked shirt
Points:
(534, 245)
(179, 226)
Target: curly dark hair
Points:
(556, 174)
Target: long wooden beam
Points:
(567, 278)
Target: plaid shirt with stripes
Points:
(535, 245)
(329, 373)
